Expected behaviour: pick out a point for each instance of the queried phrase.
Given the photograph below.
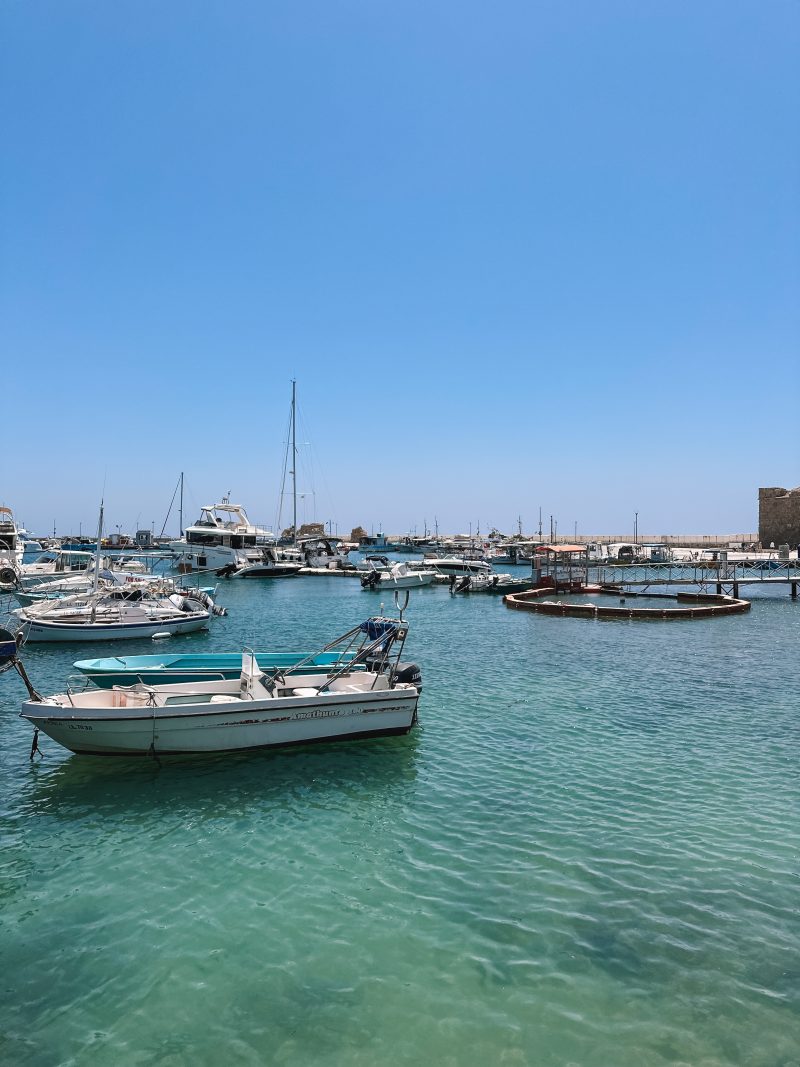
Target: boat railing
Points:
(78, 683)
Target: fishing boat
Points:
(257, 709)
(395, 576)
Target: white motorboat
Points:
(12, 550)
(488, 583)
(326, 552)
(458, 565)
(398, 576)
(113, 612)
(222, 537)
(255, 710)
(275, 562)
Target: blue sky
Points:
(515, 255)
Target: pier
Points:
(723, 575)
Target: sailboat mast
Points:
(97, 553)
(294, 463)
(181, 507)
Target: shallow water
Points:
(586, 854)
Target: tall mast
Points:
(294, 464)
(181, 509)
(97, 553)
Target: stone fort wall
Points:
(779, 517)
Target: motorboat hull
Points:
(194, 729)
(268, 570)
(407, 581)
(39, 630)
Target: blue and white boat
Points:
(200, 667)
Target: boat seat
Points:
(306, 691)
(222, 698)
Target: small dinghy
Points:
(255, 710)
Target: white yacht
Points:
(223, 536)
(458, 565)
(11, 550)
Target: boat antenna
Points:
(97, 553)
(294, 462)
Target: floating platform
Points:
(687, 605)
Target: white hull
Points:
(458, 567)
(407, 581)
(56, 631)
(249, 725)
(213, 558)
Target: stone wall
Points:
(779, 517)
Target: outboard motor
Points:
(227, 570)
(371, 580)
(405, 672)
(409, 672)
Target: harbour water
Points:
(586, 854)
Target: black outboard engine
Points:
(409, 672)
(404, 672)
(227, 570)
(371, 580)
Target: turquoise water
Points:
(587, 854)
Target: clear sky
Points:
(516, 255)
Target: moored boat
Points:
(397, 576)
(223, 536)
(12, 551)
(458, 565)
(116, 612)
(198, 667)
(257, 709)
(500, 584)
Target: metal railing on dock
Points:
(702, 573)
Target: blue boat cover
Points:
(375, 628)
